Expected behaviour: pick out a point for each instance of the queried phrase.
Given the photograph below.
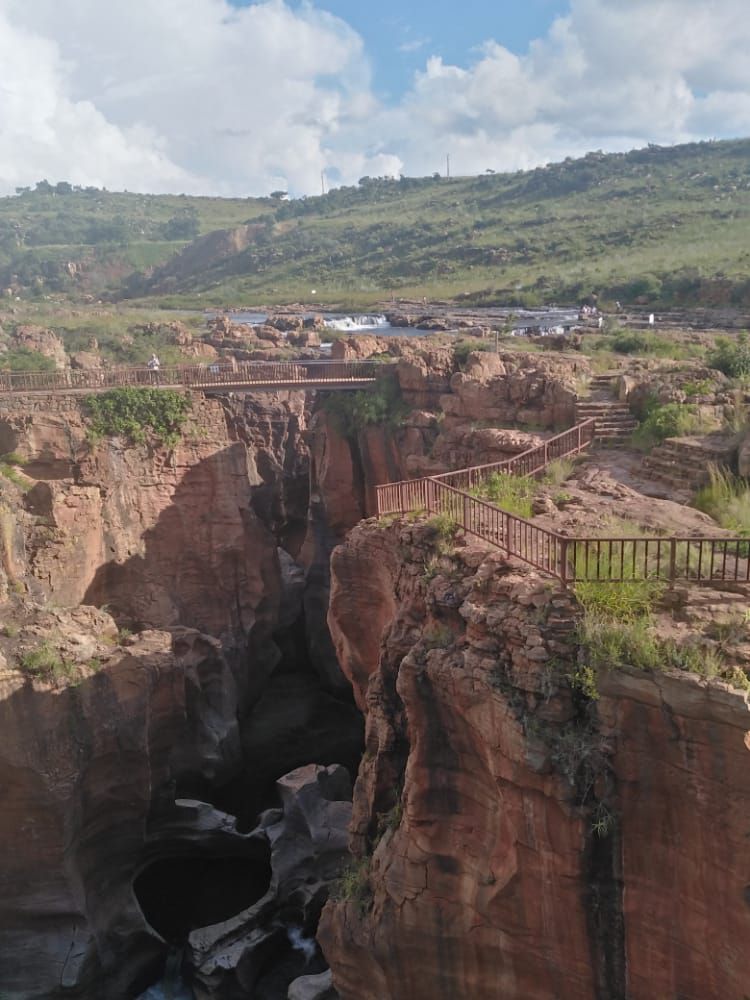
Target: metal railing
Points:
(570, 559)
(196, 377)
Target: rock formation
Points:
(181, 725)
(510, 838)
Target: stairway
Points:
(614, 421)
(683, 463)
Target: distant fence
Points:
(571, 560)
(213, 375)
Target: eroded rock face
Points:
(682, 748)
(307, 837)
(483, 782)
(89, 773)
(162, 537)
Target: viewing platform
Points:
(245, 376)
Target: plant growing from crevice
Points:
(353, 885)
(136, 413)
(445, 527)
(352, 412)
(45, 661)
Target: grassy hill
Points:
(57, 238)
(658, 226)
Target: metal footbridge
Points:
(245, 376)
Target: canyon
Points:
(293, 750)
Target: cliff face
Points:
(133, 774)
(514, 839)
(90, 773)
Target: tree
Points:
(279, 195)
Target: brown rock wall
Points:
(486, 868)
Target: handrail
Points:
(570, 559)
(194, 377)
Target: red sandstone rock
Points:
(482, 878)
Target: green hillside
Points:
(56, 238)
(659, 226)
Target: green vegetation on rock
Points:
(134, 413)
(352, 412)
(20, 359)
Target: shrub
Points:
(463, 348)
(727, 500)
(21, 359)
(558, 471)
(45, 661)
(731, 357)
(671, 420)
(12, 475)
(512, 493)
(133, 413)
(353, 884)
(444, 525)
(351, 412)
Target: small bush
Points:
(731, 357)
(671, 420)
(512, 493)
(351, 412)
(703, 387)
(445, 527)
(9, 631)
(437, 637)
(9, 473)
(133, 413)
(727, 500)
(23, 360)
(45, 661)
(559, 471)
(463, 348)
(353, 885)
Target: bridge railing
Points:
(570, 559)
(528, 463)
(210, 375)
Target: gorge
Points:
(239, 714)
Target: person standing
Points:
(153, 366)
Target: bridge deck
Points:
(249, 376)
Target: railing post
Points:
(672, 562)
(564, 561)
(578, 428)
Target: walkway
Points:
(571, 559)
(246, 376)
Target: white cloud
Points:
(186, 95)
(200, 96)
(609, 75)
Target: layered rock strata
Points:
(512, 837)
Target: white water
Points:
(354, 323)
(301, 943)
(171, 986)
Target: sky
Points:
(238, 97)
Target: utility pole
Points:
(448, 166)
(322, 182)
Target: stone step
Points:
(600, 411)
(607, 421)
(656, 460)
(692, 453)
(689, 478)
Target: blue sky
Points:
(400, 36)
(237, 97)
